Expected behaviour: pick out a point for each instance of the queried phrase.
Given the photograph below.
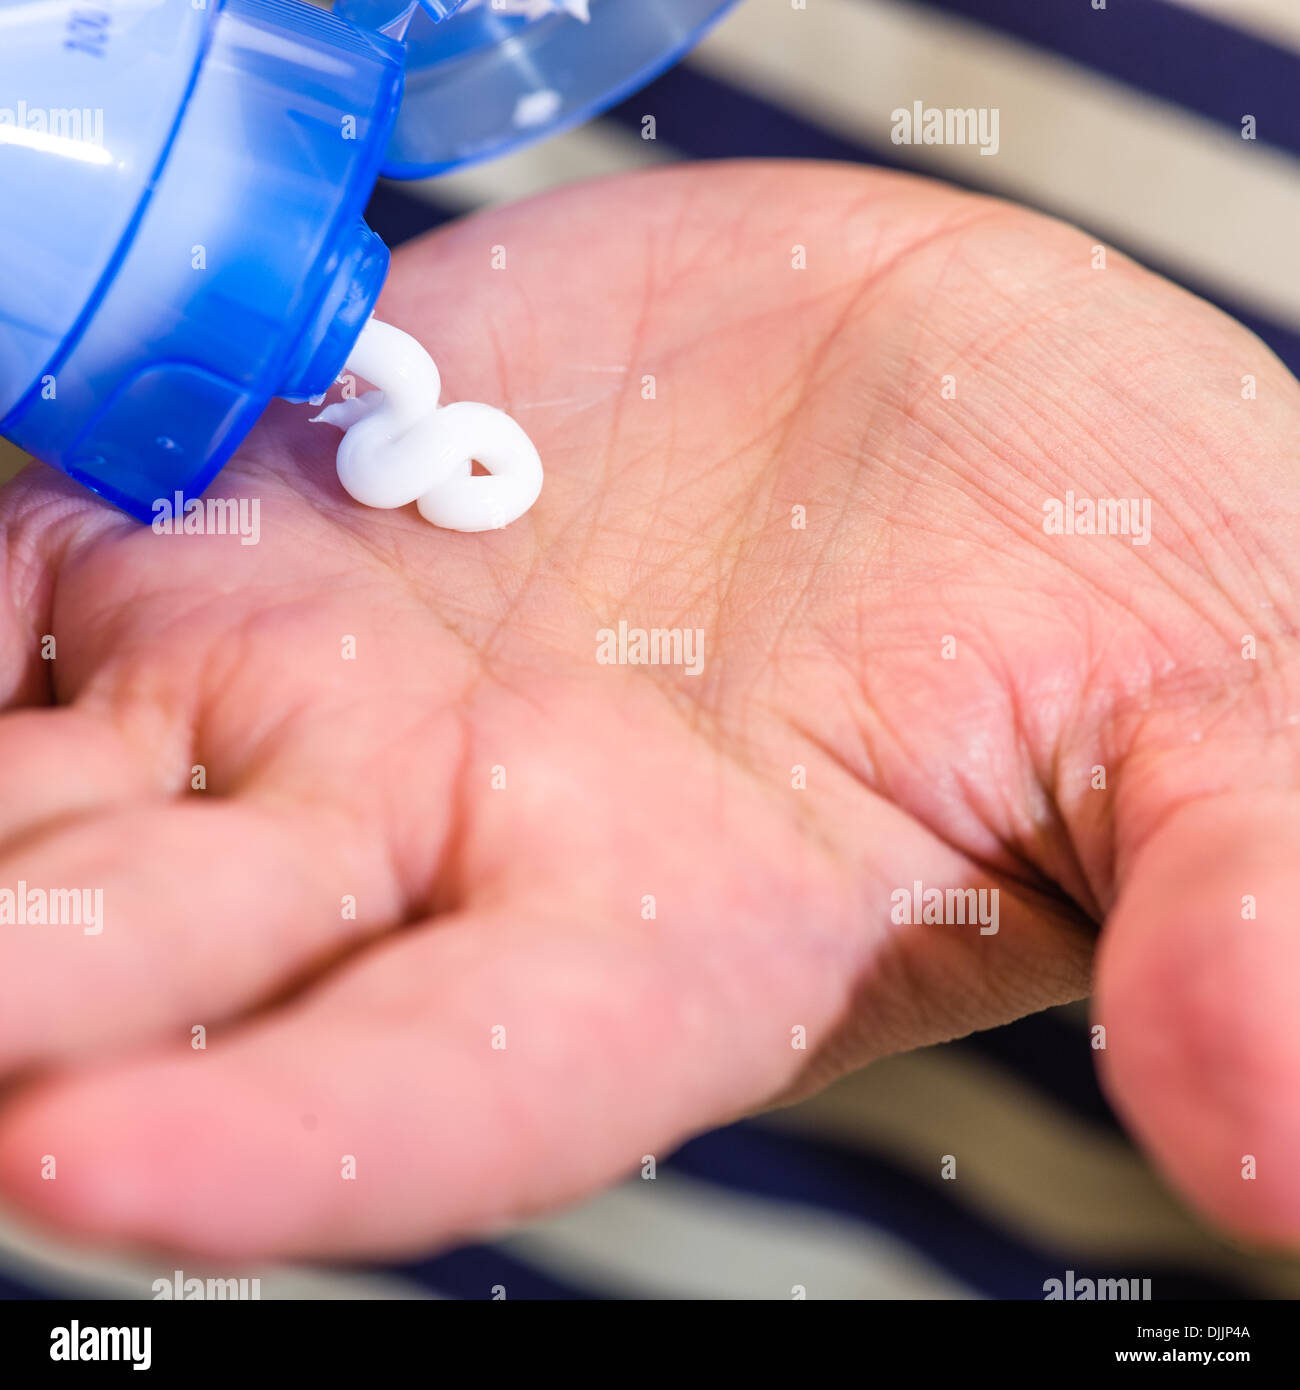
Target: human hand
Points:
(501, 806)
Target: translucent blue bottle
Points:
(182, 189)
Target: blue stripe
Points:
(706, 118)
(1175, 54)
(471, 1272)
(12, 1289)
(769, 1164)
(1052, 1055)
(397, 216)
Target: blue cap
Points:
(182, 234)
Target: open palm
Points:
(473, 919)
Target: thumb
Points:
(1198, 988)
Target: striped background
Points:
(1128, 122)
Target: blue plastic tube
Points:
(182, 189)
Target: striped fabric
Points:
(1127, 120)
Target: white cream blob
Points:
(399, 446)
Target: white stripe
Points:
(676, 1238)
(48, 1264)
(1165, 182)
(588, 152)
(1278, 20)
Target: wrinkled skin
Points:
(521, 906)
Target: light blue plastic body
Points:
(182, 188)
(482, 81)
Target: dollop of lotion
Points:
(399, 446)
